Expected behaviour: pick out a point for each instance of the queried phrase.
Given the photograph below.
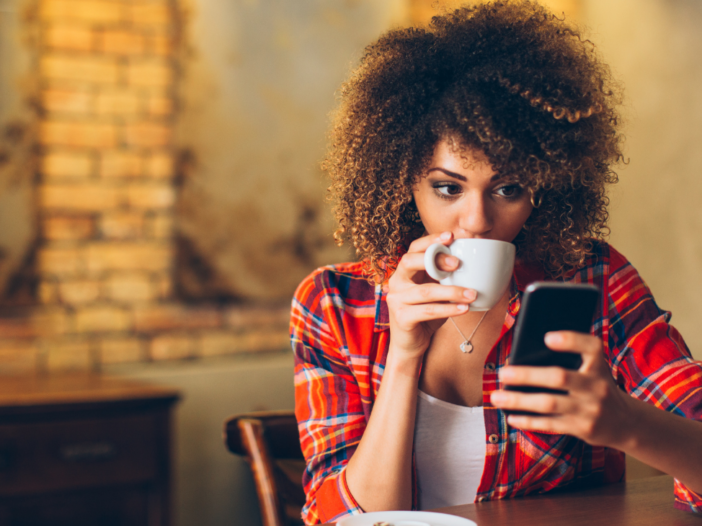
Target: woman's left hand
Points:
(593, 409)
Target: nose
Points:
(476, 219)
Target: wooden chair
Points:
(269, 441)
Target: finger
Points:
(411, 315)
(549, 424)
(433, 293)
(447, 263)
(542, 403)
(587, 345)
(423, 243)
(549, 377)
(571, 341)
(412, 263)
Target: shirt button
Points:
(481, 499)
(490, 366)
(493, 439)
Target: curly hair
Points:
(506, 78)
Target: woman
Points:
(496, 122)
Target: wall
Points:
(258, 82)
(654, 48)
(17, 223)
(212, 486)
(100, 287)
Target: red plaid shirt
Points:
(339, 331)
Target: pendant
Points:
(466, 347)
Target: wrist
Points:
(403, 363)
(629, 423)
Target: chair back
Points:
(270, 442)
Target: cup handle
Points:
(430, 261)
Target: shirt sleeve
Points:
(649, 357)
(327, 399)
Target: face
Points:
(461, 193)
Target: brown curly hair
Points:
(507, 78)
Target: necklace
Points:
(467, 347)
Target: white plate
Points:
(406, 518)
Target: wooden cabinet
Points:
(84, 450)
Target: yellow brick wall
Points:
(105, 200)
(107, 85)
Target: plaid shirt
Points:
(339, 331)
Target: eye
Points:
(509, 191)
(447, 189)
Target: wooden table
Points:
(82, 449)
(642, 502)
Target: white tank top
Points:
(449, 449)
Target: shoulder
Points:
(624, 287)
(347, 282)
(612, 265)
(595, 269)
(607, 254)
(609, 270)
(602, 264)
(330, 304)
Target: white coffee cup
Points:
(485, 266)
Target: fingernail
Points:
(445, 236)
(552, 338)
(497, 397)
(452, 260)
(470, 294)
(462, 307)
(505, 374)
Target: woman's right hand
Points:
(417, 304)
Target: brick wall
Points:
(105, 200)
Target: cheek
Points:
(434, 223)
(431, 217)
(526, 212)
(518, 217)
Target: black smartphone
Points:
(550, 306)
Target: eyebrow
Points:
(458, 176)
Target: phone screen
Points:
(551, 306)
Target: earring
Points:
(536, 201)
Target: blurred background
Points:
(161, 197)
